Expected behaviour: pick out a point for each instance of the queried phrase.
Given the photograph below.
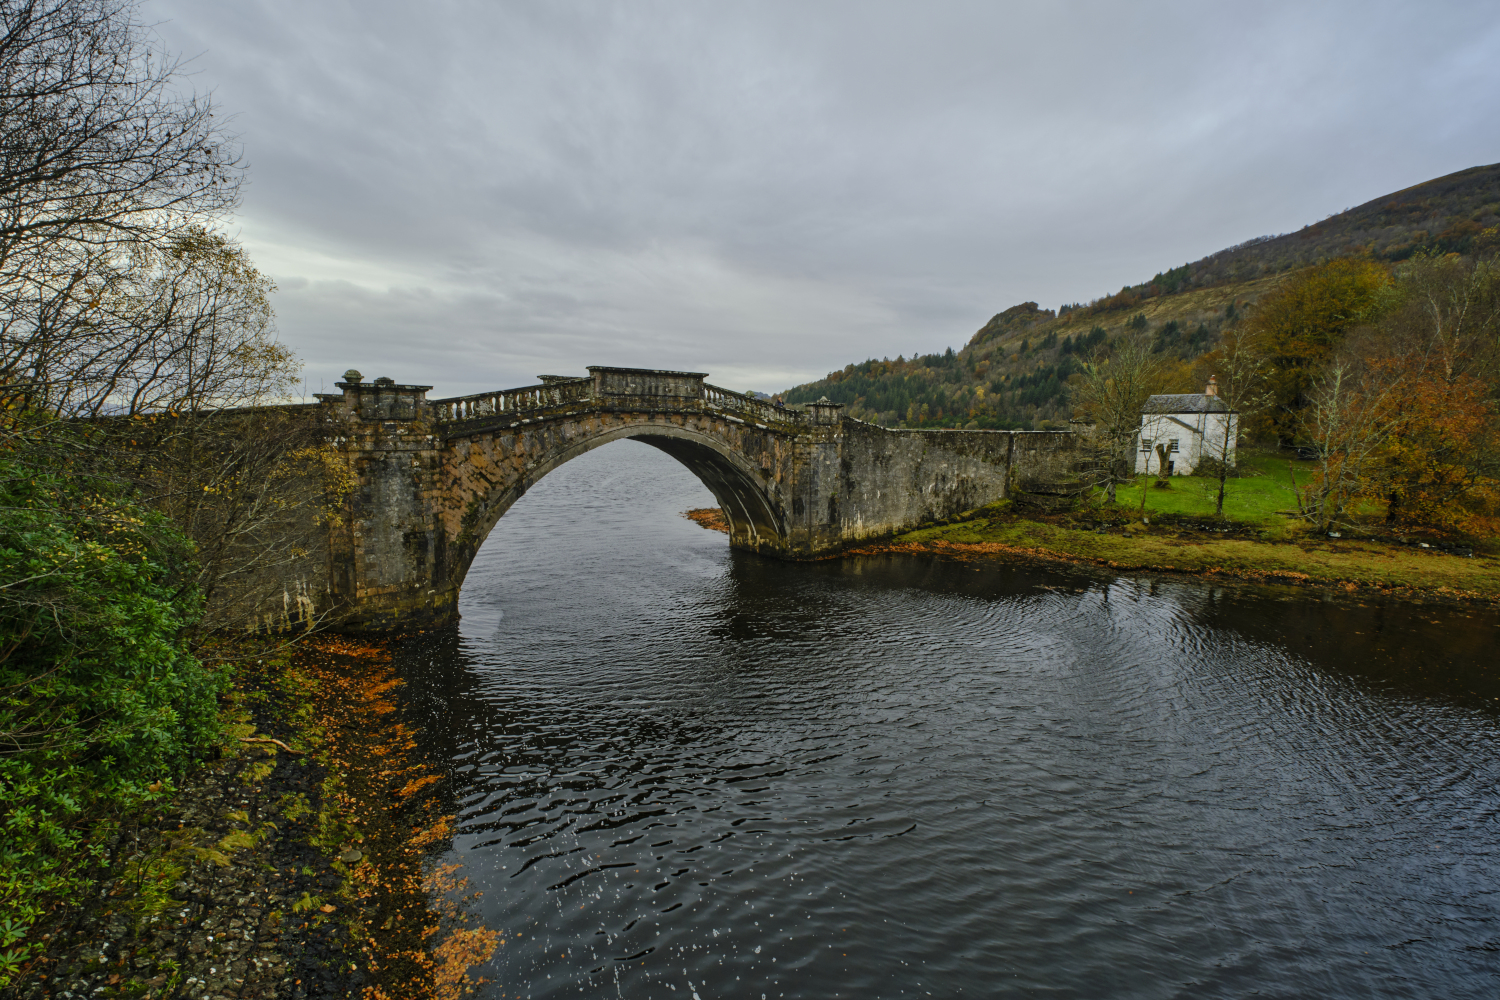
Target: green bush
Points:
(101, 700)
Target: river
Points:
(681, 771)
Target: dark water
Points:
(685, 772)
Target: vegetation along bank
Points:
(1180, 534)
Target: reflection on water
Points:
(683, 771)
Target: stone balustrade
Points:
(609, 389)
(508, 402)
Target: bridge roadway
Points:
(434, 476)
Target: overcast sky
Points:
(472, 194)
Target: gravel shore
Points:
(213, 898)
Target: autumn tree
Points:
(1441, 346)
(110, 179)
(1242, 377)
(1347, 421)
(185, 402)
(1439, 466)
(122, 303)
(1405, 412)
(196, 332)
(1448, 313)
(1108, 393)
(1298, 327)
(100, 154)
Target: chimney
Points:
(1212, 389)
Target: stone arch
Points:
(749, 501)
(432, 478)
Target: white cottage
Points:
(1191, 425)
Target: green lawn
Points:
(1263, 488)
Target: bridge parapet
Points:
(551, 393)
(824, 411)
(647, 382)
(739, 404)
(614, 389)
(382, 399)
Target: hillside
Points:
(1442, 215)
(1012, 371)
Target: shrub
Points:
(101, 701)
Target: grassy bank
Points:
(1257, 539)
(1166, 548)
(1261, 495)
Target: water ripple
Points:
(682, 771)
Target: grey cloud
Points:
(479, 192)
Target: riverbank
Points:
(1184, 545)
(217, 891)
(1175, 528)
(296, 863)
(1115, 538)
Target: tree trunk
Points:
(1223, 470)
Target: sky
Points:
(468, 195)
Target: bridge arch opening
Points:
(745, 495)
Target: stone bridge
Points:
(434, 476)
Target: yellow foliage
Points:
(1299, 323)
(416, 785)
(427, 942)
(1303, 319)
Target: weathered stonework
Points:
(436, 475)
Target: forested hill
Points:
(1011, 373)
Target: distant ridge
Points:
(1442, 215)
(1013, 371)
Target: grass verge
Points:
(1179, 543)
(1261, 495)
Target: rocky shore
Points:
(207, 902)
(303, 862)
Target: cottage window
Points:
(1146, 445)
(1173, 445)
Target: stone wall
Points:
(893, 480)
(249, 487)
(1047, 455)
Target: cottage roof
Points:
(1185, 402)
